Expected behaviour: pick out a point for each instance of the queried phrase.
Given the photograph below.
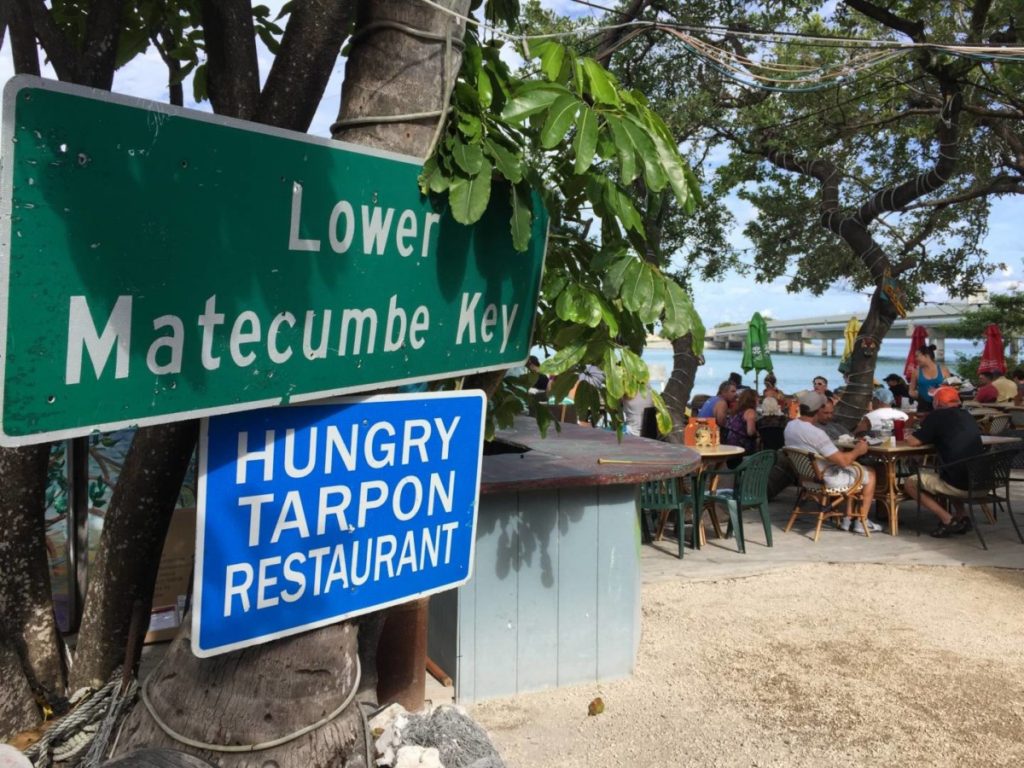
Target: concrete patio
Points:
(718, 559)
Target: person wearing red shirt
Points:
(987, 392)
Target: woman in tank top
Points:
(926, 377)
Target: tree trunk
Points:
(288, 684)
(680, 384)
(27, 625)
(18, 710)
(129, 553)
(856, 399)
(262, 692)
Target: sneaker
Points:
(960, 525)
(872, 526)
(844, 524)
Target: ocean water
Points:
(793, 371)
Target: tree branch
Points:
(897, 199)
(99, 49)
(233, 78)
(23, 39)
(1001, 185)
(912, 29)
(610, 40)
(56, 46)
(979, 14)
(310, 47)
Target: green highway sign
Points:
(159, 264)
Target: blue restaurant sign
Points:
(311, 514)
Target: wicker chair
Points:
(832, 504)
(995, 425)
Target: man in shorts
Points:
(956, 436)
(839, 468)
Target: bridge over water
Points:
(826, 329)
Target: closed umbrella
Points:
(849, 340)
(919, 339)
(755, 348)
(992, 360)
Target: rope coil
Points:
(260, 746)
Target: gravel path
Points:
(820, 665)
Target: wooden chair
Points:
(832, 504)
(750, 490)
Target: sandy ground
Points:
(820, 665)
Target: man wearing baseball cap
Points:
(839, 468)
(956, 436)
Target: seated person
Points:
(987, 393)
(839, 468)
(1006, 388)
(719, 405)
(771, 388)
(883, 394)
(741, 426)
(956, 436)
(1018, 378)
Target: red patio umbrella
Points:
(920, 338)
(992, 360)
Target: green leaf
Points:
(664, 417)
(469, 125)
(635, 367)
(622, 206)
(652, 311)
(680, 314)
(638, 286)
(584, 144)
(564, 359)
(552, 55)
(560, 116)
(577, 304)
(613, 376)
(199, 83)
(469, 157)
(522, 216)
(616, 275)
(531, 98)
(508, 163)
(654, 175)
(602, 86)
(484, 89)
(430, 172)
(469, 197)
(624, 149)
(608, 315)
(672, 163)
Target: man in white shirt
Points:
(839, 468)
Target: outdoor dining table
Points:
(887, 488)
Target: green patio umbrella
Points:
(755, 348)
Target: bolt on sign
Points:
(312, 514)
(159, 264)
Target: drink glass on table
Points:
(897, 429)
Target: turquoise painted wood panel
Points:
(496, 598)
(577, 585)
(618, 581)
(555, 595)
(538, 577)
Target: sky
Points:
(733, 299)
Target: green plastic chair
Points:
(666, 496)
(750, 490)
